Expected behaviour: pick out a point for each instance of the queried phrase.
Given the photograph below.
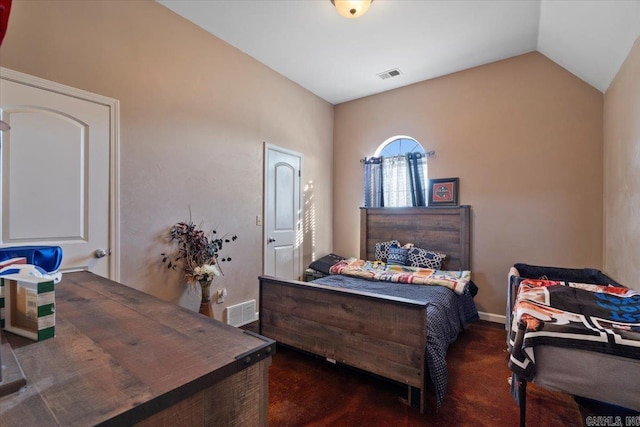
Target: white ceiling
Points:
(338, 59)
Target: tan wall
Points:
(525, 138)
(622, 172)
(194, 114)
(523, 135)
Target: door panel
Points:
(283, 261)
(284, 197)
(60, 143)
(56, 174)
(283, 243)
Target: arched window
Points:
(396, 175)
(398, 145)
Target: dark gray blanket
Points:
(447, 313)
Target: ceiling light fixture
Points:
(352, 8)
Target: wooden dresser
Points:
(122, 357)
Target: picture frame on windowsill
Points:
(444, 192)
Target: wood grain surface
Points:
(379, 334)
(444, 230)
(121, 356)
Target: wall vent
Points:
(241, 314)
(388, 74)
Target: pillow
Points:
(397, 256)
(324, 264)
(425, 259)
(382, 249)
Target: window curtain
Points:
(396, 191)
(416, 161)
(373, 182)
(396, 181)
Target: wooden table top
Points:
(119, 356)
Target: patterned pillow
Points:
(397, 256)
(382, 249)
(425, 259)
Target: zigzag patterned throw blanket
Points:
(372, 270)
(599, 318)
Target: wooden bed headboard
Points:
(442, 229)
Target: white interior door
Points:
(56, 172)
(283, 214)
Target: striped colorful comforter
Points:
(457, 281)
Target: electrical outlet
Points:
(221, 294)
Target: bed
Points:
(576, 331)
(374, 326)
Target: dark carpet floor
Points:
(308, 391)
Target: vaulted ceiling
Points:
(340, 59)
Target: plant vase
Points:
(205, 302)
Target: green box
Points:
(29, 306)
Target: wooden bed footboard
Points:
(378, 334)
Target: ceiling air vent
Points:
(388, 74)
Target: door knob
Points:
(271, 240)
(99, 253)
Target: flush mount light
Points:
(352, 8)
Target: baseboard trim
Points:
(490, 317)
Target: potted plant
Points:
(197, 255)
